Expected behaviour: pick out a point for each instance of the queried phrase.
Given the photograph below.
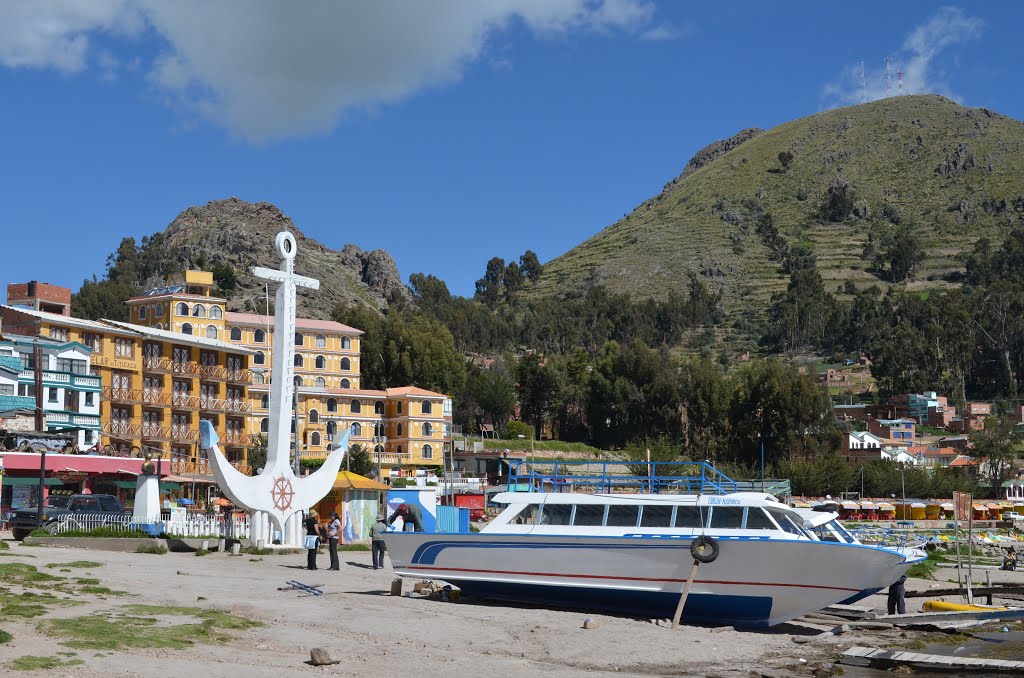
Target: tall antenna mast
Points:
(888, 76)
(863, 87)
(899, 81)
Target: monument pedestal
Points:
(147, 501)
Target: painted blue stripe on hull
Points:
(859, 596)
(746, 611)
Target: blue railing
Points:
(676, 477)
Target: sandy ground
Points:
(374, 633)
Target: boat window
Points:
(842, 531)
(757, 520)
(528, 516)
(656, 516)
(556, 514)
(622, 515)
(728, 517)
(590, 515)
(786, 524)
(825, 534)
(690, 516)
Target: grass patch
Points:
(87, 581)
(155, 549)
(33, 663)
(254, 551)
(4, 546)
(84, 564)
(539, 445)
(106, 631)
(5, 637)
(101, 532)
(353, 547)
(203, 552)
(23, 574)
(102, 591)
(926, 568)
(17, 555)
(29, 603)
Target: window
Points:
(299, 360)
(346, 364)
(211, 331)
(321, 382)
(264, 425)
(314, 439)
(123, 348)
(785, 523)
(656, 516)
(51, 395)
(181, 308)
(27, 390)
(332, 405)
(346, 343)
(399, 449)
(428, 430)
(378, 429)
(216, 313)
(299, 338)
(589, 514)
(110, 505)
(259, 336)
(357, 429)
(399, 429)
(427, 452)
(236, 334)
(321, 341)
(142, 312)
(379, 449)
(425, 407)
(345, 383)
(159, 326)
(257, 378)
(320, 362)
(399, 408)
(90, 398)
(690, 516)
(527, 515)
(355, 407)
(727, 517)
(59, 333)
(556, 514)
(186, 328)
(264, 402)
(298, 381)
(332, 429)
(314, 417)
(260, 358)
(622, 515)
(198, 311)
(757, 520)
(91, 340)
(7, 389)
(378, 407)
(158, 310)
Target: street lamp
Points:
(378, 445)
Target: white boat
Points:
(632, 553)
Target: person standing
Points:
(897, 596)
(333, 532)
(377, 541)
(410, 515)
(313, 536)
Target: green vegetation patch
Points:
(99, 532)
(155, 549)
(103, 591)
(353, 547)
(5, 637)
(16, 555)
(84, 564)
(149, 628)
(29, 603)
(23, 574)
(33, 663)
(926, 568)
(4, 546)
(87, 581)
(254, 551)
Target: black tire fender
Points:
(704, 549)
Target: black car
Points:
(101, 508)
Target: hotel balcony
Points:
(201, 467)
(213, 372)
(156, 398)
(65, 379)
(391, 458)
(184, 401)
(156, 364)
(184, 434)
(236, 438)
(238, 407)
(185, 368)
(122, 395)
(207, 404)
(239, 376)
(159, 433)
(120, 429)
(72, 420)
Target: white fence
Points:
(189, 525)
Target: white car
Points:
(1012, 516)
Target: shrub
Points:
(154, 549)
(515, 428)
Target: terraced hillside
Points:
(949, 173)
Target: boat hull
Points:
(753, 582)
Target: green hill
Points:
(948, 173)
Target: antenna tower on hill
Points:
(863, 87)
(888, 76)
(899, 81)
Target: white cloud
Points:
(946, 28)
(268, 70)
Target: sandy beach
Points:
(374, 633)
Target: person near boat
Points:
(897, 596)
(377, 542)
(1010, 560)
(410, 515)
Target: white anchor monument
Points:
(277, 497)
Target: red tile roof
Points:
(233, 317)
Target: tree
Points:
(495, 394)
(655, 449)
(785, 158)
(489, 287)
(360, 462)
(513, 279)
(903, 253)
(257, 457)
(535, 383)
(839, 200)
(225, 277)
(103, 299)
(530, 266)
(705, 394)
(996, 447)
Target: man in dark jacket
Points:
(410, 515)
(897, 593)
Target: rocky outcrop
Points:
(240, 234)
(712, 151)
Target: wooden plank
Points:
(886, 659)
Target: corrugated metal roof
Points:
(13, 402)
(12, 363)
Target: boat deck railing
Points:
(601, 477)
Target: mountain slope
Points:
(241, 234)
(950, 174)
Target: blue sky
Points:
(445, 132)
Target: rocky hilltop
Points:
(240, 234)
(948, 173)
